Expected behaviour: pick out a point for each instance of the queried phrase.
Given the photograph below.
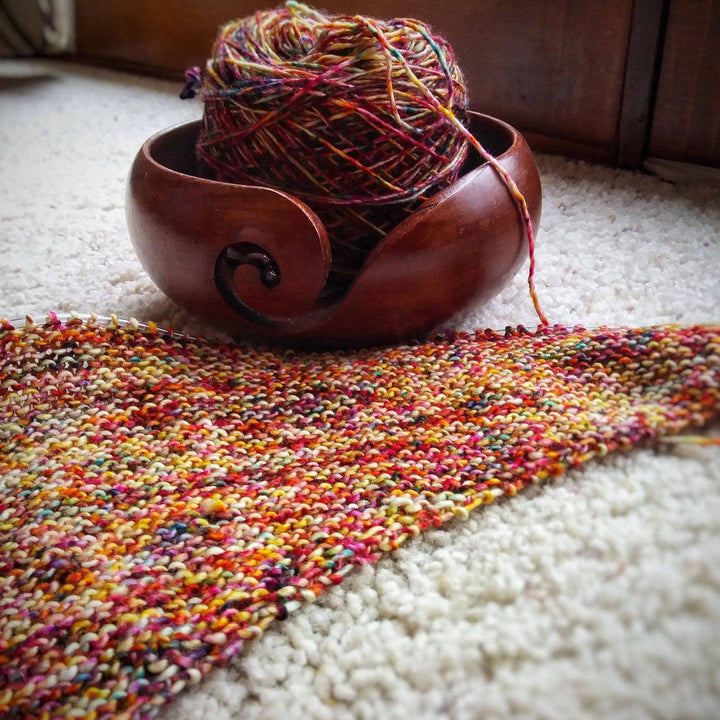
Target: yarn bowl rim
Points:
(253, 260)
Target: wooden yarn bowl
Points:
(253, 261)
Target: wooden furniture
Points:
(613, 81)
(686, 120)
(254, 261)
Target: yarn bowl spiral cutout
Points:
(254, 261)
(339, 111)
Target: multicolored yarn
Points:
(164, 499)
(330, 109)
(360, 118)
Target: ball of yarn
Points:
(347, 113)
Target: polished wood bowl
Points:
(254, 261)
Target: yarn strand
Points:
(505, 176)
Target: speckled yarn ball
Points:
(347, 113)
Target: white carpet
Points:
(596, 597)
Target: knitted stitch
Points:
(163, 499)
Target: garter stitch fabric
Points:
(344, 112)
(163, 499)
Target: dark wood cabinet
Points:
(609, 81)
(686, 121)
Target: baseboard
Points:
(681, 172)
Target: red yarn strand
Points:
(487, 156)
